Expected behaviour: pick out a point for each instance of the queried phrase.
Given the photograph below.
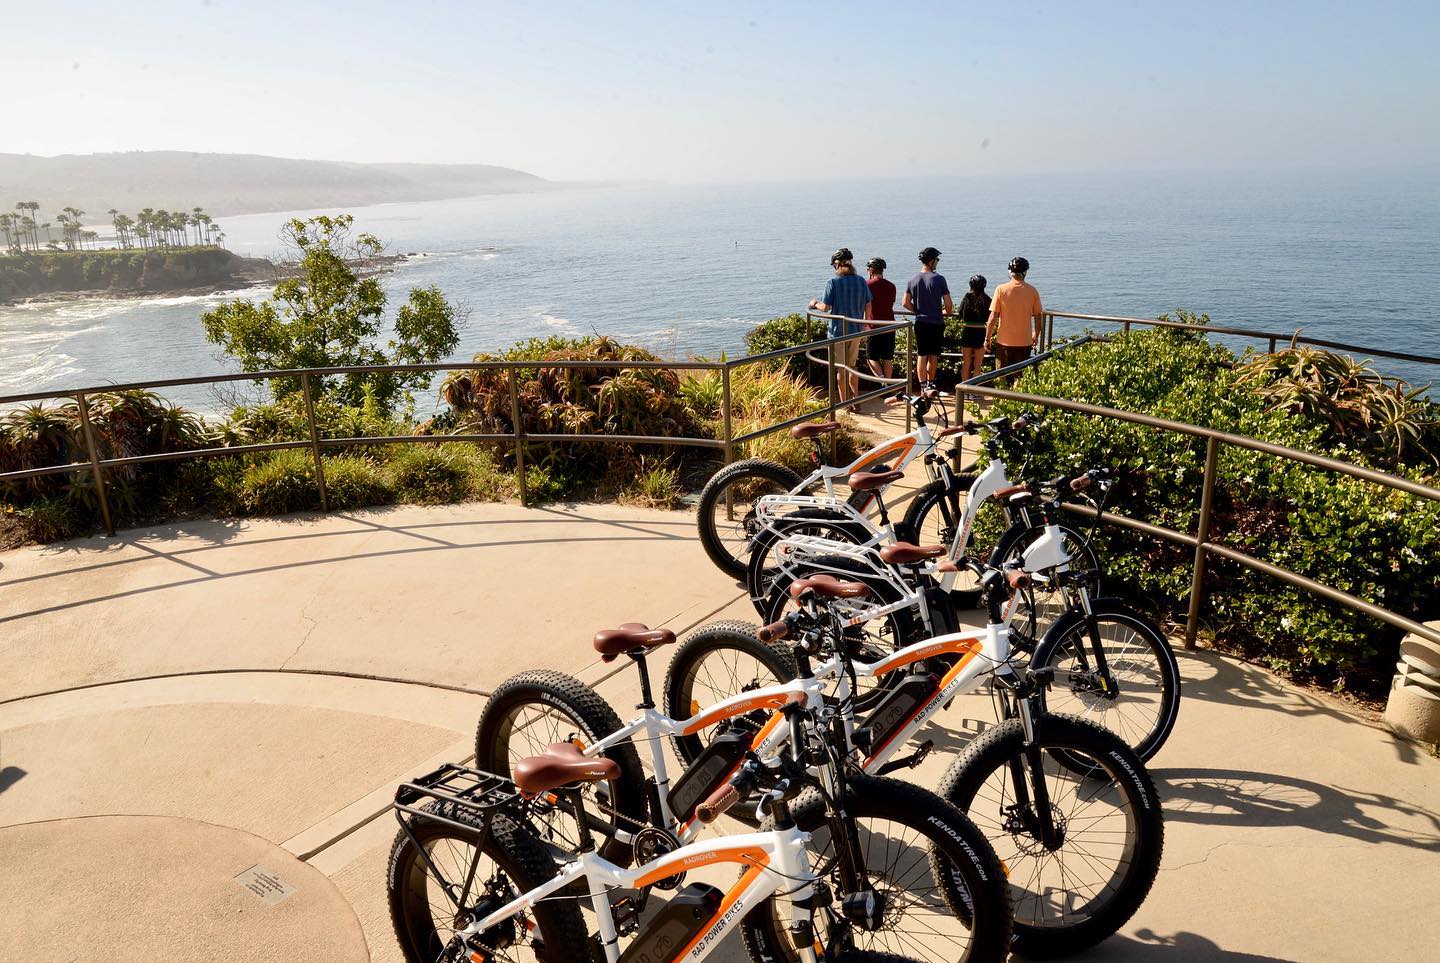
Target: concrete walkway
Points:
(181, 705)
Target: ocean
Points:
(687, 270)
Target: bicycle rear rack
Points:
(481, 794)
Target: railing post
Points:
(519, 430)
(725, 414)
(1202, 536)
(1272, 345)
(96, 471)
(1126, 329)
(314, 441)
(831, 386)
(909, 371)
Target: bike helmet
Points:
(1018, 265)
(876, 264)
(977, 282)
(928, 255)
(842, 256)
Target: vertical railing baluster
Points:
(519, 431)
(96, 470)
(1202, 537)
(314, 441)
(909, 372)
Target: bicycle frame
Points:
(773, 862)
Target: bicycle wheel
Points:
(1039, 606)
(939, 889)
(933, 517)
(762, 566)
(1146, 698)
(715, 662)
(534, 709)
(870, 641)
(726, 513)
(498, 866)
(1112, 832)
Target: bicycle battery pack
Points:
(708, 772)
(672, 929)
(942, 611)
(899, 705)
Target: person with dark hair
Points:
(1016, 317)
(928, 296)
(880, 348)
(847, 296)
(974, 315)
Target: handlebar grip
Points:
(1019, 579)
(1081, 483)
(773, 632)
(719, 802)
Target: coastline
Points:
(251, 273)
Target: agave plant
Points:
(1362, 408)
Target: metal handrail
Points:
(1273, 337)
(1200, 541)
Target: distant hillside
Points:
(237, 183)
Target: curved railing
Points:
(1199, 540)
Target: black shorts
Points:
(928, 337)
(881, 347)
(972, 336)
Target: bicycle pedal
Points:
(908, 762)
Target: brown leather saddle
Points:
(561, 764)
(630, 637)
(828, 587)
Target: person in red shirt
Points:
(880, 348)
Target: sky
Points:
(731, 91)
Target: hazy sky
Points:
(732, 91)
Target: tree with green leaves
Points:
(327, 315)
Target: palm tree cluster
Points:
(149, 230)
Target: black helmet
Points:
(842, 256)
(876, 264)
(1018, 265)
(928, 255)
(977, 282)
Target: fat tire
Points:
(710, 496)
(808, 518)
(994, 749)
(551, 688)
(1113, 610)
(965, 848)
(731, 634)
(523, 859)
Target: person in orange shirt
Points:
(1015, 317)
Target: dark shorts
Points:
(928, 336)
(972, 336)
(881, 347)
(1005, 355)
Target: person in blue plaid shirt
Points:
(846, 294)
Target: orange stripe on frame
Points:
(748, 855)
(746, 878)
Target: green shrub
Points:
(1372, 542)
(52, 519)
(787, 331)
(574, 400)
(655, 487)
(434, 474)
(355, 481)
(278, 483)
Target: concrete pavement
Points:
(225, 695)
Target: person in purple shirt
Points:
(928, 296)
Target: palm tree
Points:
(219, 236)
(123, 223)
(197, 218)
(28, 229)
(147, 221)
(34, 208)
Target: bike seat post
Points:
(647, 698)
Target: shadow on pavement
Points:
(1149, 945)
(1232, 682)
(1226, 797)
(10, 775)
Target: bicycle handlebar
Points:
(774, 632)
